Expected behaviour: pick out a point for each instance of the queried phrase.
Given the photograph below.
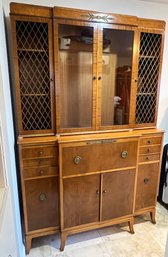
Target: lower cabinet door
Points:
(147, 182)
(117, 194)
(81, 200)
(42, 203)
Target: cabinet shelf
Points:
(34, 95)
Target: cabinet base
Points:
(83, 228)
(152, 212)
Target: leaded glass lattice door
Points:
(34, 74)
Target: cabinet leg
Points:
(153, 216)
(131, 226)
(63, 240)
(28, 244)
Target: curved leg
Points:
(131, 226)
(153, 216)
(28, 243)
(63, 241)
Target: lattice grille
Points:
(33, 58)
(149, 61)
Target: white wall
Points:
(131, 7)
(8, 142)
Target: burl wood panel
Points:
(98, 157)
(117, 194)
(81, 200)
(146, 185)
(42, 203)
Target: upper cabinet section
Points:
(107, 70)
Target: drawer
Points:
(39, 151)
(90, 158)
(149, 157)
(42, 203)
(150, 140)
(41, 171)
(40, 162)
(150, 149)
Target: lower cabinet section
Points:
(147, 181)
(42, 203)
(117, 194)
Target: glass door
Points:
(115, 83)
(76, 66)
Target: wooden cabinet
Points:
(87, 88)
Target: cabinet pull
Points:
(124, 154)
(97, 192)
(94, 78)
(42, 197)
(148, 150)
(41, 152)
(99, 78)
(77, 160)
(146, 180)
(149, 142)
(41, 172)
(148, 158)
(104, 191)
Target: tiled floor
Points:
(148, 241)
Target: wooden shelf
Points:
(32, 50)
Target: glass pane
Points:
(75, 64)
(116, 76)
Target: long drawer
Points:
(98, 157)
(39, 151)
(40, 171)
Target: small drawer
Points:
(150, 149)
(40, 162)
(39, 172)
(150, 141)
(149, 157)
(39, 151)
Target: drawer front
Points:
(40, 162)
(84, 159)
(147, 181)
(149, 157)
(39, 151)
(41, 171)
(151, 140)
(150, 149)
(42, 203)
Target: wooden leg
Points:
(28, 244)
(153, 216)
(131, 226)
(63, 240)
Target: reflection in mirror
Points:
(116, 76)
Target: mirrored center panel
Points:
(117, 51)
(76, 75)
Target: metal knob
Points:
(42, 197)
(94, 78)
(41, 172)
(97, 192)
(124, 154)
(146, 180)
(104, 191)
(149, 142)
(77, 160)
(99, 78)
(148, 158)
(41, 152)
(148, 150)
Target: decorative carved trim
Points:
(92, 16)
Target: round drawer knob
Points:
(41, 152)
(148, 158)
(41, 172)
(124, 154)
(148, 150)
(42, 197)
(149, 142)
(77, 159)
(104, 191)
(146, 180)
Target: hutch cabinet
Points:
(87, 88)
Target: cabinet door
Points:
(42, 203)
(147, 181)
(117, 194)
(33, 57)
(81, 200)
(149, 68)
(75, 45)
(116, 70)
